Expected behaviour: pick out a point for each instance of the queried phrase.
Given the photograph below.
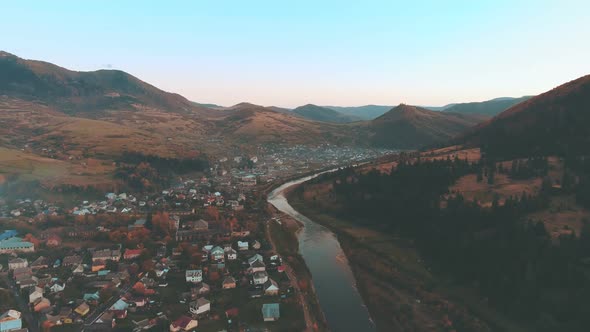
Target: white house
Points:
(36, 294)
(194, 276)
(17, 263)
(255, 258)
(242, 245)
(232, 254)
(57, 287)
(217, 253)
(259, 278)
(200, 306)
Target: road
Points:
(309, 321)
(32, 322)
(107, 305)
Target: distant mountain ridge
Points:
(324, 114)
(366, 112)
(411, 127)
(488, 108)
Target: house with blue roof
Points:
(8, 234)
(270, 312)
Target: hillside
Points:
(84, 93)
(324, 114)
(367, 112)
(247, 123)
(555, 122)
(412, 127)
(488, 108)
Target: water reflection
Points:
(332, 277)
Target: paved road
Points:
(309, 322)
(32, 322)
(107, 305)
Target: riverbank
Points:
(396, 284)
(282, 232)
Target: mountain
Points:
(251, 124)
(488, 108)
(367, 112)
(213, 106)
(411, 127)
(438, 108)
(75, 92)
(555, 122)
(324, 114)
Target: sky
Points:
(287, 54)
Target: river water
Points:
(332, 277)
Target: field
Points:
(563, 216)
(30, 167)
(503, 186)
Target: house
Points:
(194, 276)
(119, 305)
(259, 278)
(139, 223)
(10, 320)
(217, 253)
(105, 322)
(138, 301)
(78, 269)
(255, 258)
(40, 263)
(243, 245)
(7, 234)
(91, 296)
(17, 263)
(35, 294)
(232, 254)
(41, 304)
(201, 225)
(98, 265)
(21, 273)
(73, 260)
(242, 233)
(119, 314)
(271, 287)
(28, 282)
(106, 255)
(256, 245)
(270, 312)
(201, 289)
(200, 306)
(82, 309)
(57, 287)
(229, 282)
(53, 241)
(184, 323)
(15, 244)
(132, 253)
(257, 266)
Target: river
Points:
(332, 277)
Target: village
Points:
(191, 256)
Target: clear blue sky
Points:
(289, 53)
